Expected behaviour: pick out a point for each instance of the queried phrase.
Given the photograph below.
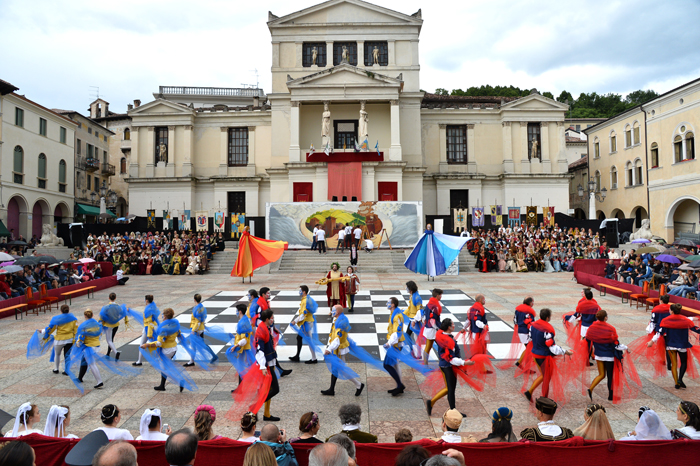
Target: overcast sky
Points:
(54, 50)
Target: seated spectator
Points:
(248, 423)
(689, 415)
(596, 425)
(62, 275)
(403, 436)
(17, 453)
(412, 455)
(5, 290)
(350, 417)
(276, 439)
(76, 277)
(610, 270)
(150, 426)
(57, 421)
(546, 430)
(451, 421)
(181, 448)
(110, 418)
(501, 428)
(204, 417)
(259, 454)
(442, 460)
(27, 416)
(649, 427)
(309, 425)
(348, 445)
(328, 454)
(118, 453)
(121, 279)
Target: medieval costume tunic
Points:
(415, 308)
(546, 431)
(266, 356)
(162, 350)
(639, 346)
(242, 354)
(478, 329)
(395, 338)
(338, 346)
(335, 292)
(65, 326)
(523, 318)
(544, 349)
(304, 323)
(197, 325)
(673, 337)
(150, 324)
(585, 311)
(110, 316)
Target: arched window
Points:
(122, 165)
(678, 149)
(613, 177)
(638, 178)
(62, 176)
(127, 134)
(41, 172)
(683, 143)
(596, 148)
(689, 146)
(654, 155)
(597, 181)
(629, 177)
(628, 136)
(636, 136)
(18, 165)
(613, 142)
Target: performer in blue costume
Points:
(304, 323)
(65, 325)
(434, 252)
(241, 354)
(336, 349)
(110, 316)
(150, 324)
(160, 352)
(414, 312)
(254, 310)
(196, 338)
(395, 339)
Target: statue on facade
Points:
(364, 121)
(314, 55)
(533, 151)
(326, 122)
(375, 55)
(162, 153)
(344, 55)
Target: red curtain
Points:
(345, 179)
(303, 192)
(225, 452)
(388, 190)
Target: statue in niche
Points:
(162, 153)
(326, 122)
(314, 55)
(533, 151)
(344, 55)
(364, 120)
(375, 55)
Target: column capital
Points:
(560, 123)
(394, 102)
(151, 128)
(470, 126)
(442, 125)
(296, 103)
(505, 123)
(188, 127)
(544, 124)
(251, 129)
(171, 128)
(223, 128)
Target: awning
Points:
(83, 209)
(3, 230)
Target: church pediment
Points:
(344, 12)
(161, 106)
(344, 75)
(534, 102)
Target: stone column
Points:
(395, 149)
(391, 50)
(223, 151)
(562, 163)
(187, 150)
(151, 151)
(544, 139)
(170, 166)
(360, 53)
(251, 151)
(524, 162)
(508, 166)
(134, 158)
(329, 54)
(471, 155)
(294, 149)
(444, 167)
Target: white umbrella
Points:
(4, 257)
(86, 260)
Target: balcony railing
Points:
(89, 164)
(108, 169)
(212, 91)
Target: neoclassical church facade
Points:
(344, 73)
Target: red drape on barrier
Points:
(575, 451)
(592, 266)
(345, 179)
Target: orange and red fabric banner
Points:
(254, 252)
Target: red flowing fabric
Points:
(254, 252)
(587, 306)
(644, 356)
(477, 340)
(677, 321)
(601, 332)
(226, 452)
(475, 376)
(250, 394)
(573, 331)
(516, 347)
(626, 381)
(345, 179)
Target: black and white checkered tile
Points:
(369, 322)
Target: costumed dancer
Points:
(253, 311)
(57, 421)
(197, 325)
(431, 322)
(110, 316)
(254, 252)
(335, 292)
(543, 349)
(266, 357)
(160, 352)
(66, 326)
(150, 323)
(608, 353)
(241, 353)
(263, 302)
(415, 308)
(352, 286)
(586, 309)
(639, 346)
(338, 346)
(451, 364)
(304, 323)
(395, 339)
(673, 338)
(476, 328)
(434, 253)
(524, 316)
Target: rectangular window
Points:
(97, 183)
(689, 147)
(19, 179)
(62, 135)
(533, 135)
(78, 145)
(654, 158)
(89, 130)
(637, 139)
(613, 180)
(61, 187)
(41, 184)
(382, 53)
(613, 144)
(578, 127)
(97, 135)
(42, 126)
(90, 151)
(161, 137)
(345, 134)
(89, 182)
(350, 50)
(596, 149)
(307, 58)
(638, 180)
(628, 138)
(678, 151)
(456, 143)
(237, 147)
(19, 117)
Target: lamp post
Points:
(592, 194)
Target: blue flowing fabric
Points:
(165, 364)
(92, 328)
(390, 358)
(253, 308)
(58, 320)
(217, 332)
(434, 252)
(37, 346)
(239, 358)
(338, 368)
(405, 357)
(198, 349)
(152, 311)
(200, 312)
(311, 304)
(361, 354)
(113, 313)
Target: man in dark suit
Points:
(350, 415)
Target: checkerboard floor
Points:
(369, 322)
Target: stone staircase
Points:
(466, 261)
(378, 261)
(223, 261)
